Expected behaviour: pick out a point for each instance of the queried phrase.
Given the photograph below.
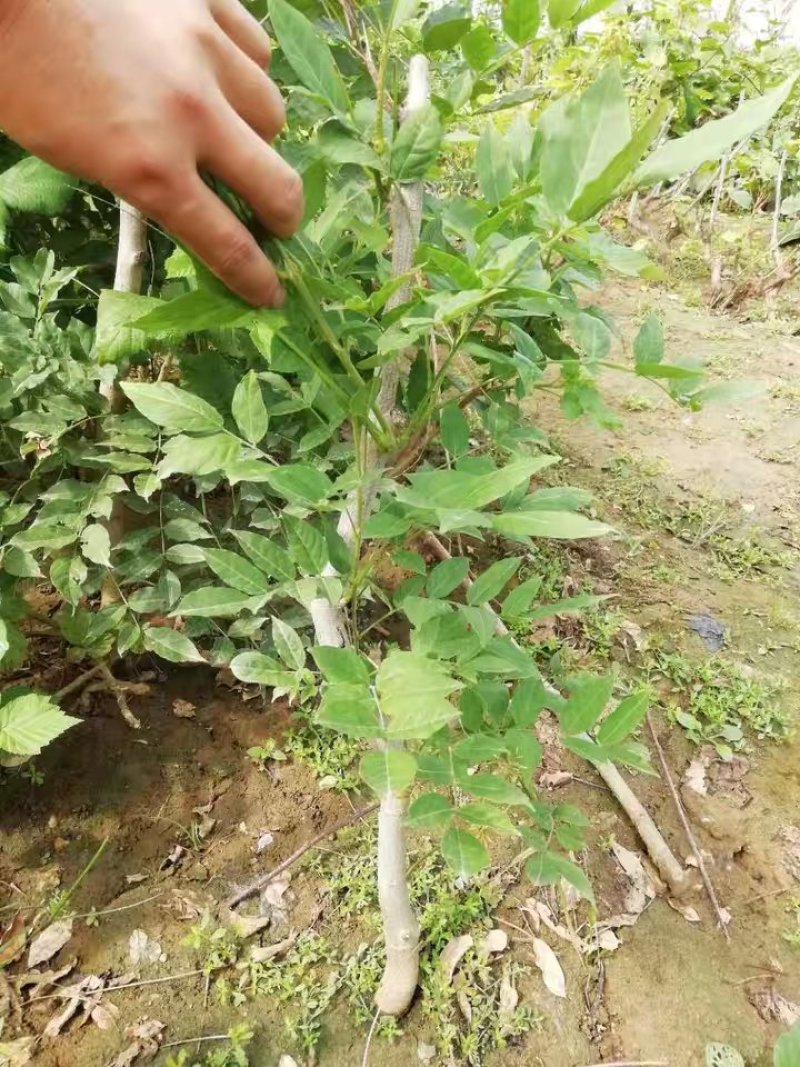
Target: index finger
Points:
(243, 30)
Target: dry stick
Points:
(77, 683)
(118, 689)
(708, 884)
(64, 995)
(659, 851)
(256, 887)
(775, 243)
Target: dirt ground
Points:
(673, 985)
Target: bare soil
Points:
(673, 985)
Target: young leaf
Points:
(587, 702)
(648, 345)
(787, 1048)
(492, 582)
(519, 600)
(257, 669)
(388, 771)
(455, 429)
(29, 722)
(300, 483)
(236, 571)
(560, 12)
(493, 163)
(481, 813)
(430, 812)
(96, 544)
(413, 694)
(624, 719)
(464, 853)
(459, 491)
(712, 140)
(248, 409)
(416, 145)
(34, 186)
(200, 309)
(341, 665)
(493, 787)
(288, 644)
(351, 710)
(170, 645)
(307, 54)
(172, 408)
(447, 576)
(197, 455)
(521, 20)
(267, 556)
(115, 339)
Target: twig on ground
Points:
(708, 884)
(119, 988)
(256, 887)
(365, 1058)
(192, 1040)
(76, 684)
(659, 851)
(119, 689)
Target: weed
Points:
(262, 754)
(636, 402)
(718, 701)
(217, 946)
(233, 1055)
(329, 756)
(600, 630)
(792, 935)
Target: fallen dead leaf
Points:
(464, 1005)
(143, 949)
(16, 1053)
(287, 1061)
(183, 709)
(547, 962)
(145, 1039)
(495, 941)
(541, 914)
(272, 952)
(173, 859)
(49, 942)
(509, 997)
(641, 888)
(247, 925)
(607, 941)
(695, 777)
(206, 826)
(12, 941)
(555, 780)
(82, 996)
(135, 879)
(42, 979)
(452, 954)
(104, 1016)
(772, 1005)
(689, 913)
(264, 841)
(789, 837)
(425, 1053)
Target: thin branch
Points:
(370, 1035)
(76, 684)
(256, 887)
(64, 994)
(709, 886)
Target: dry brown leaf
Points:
(695, 777)
(540, 913)
(247, 925)
(509, 997)
(772, 1005)
(607, 941)
(16, 1053)
(495, 941)
(42, 979)
(104, 1016)
(271, 952)
(641, 888)
(264, 841)
(49, 942)
(426, 1053)
(183, 709)
(287, 1061)
(452, 954)
(547, 962)
(689, 913)
(12, 941)
(464, 1005)
(135, 879)
(789, 837)
(206, 826)
(144, 949)
(555, 779)
(74, 996)
(145, 1037)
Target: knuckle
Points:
(237, 252)
(149, 178)
(189, 104)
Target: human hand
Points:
(142, 96)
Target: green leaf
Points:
(430, 812)
(524, 748)
(529, 700)
(170, 645)
(447, 576)
(389, 771)
(560, 525)
(257, 669)
(198, 310)
(581, 137)
(559, 12)
(29, 722)
(288, 644)
(464, 853)
(197, 455)
(587, 702)
(350, 710)
(521, 20)
(213, 602)
(624, 719)
(481, 813)
(444, 28)
(479, 748)
(519, 600)
(459, 491)
(307, 54)
(300, 483)
(648, 345)
(548, 868)
(115, 339)
(492, 582)
(172, 408)
(712, 140)
(96, 545)
(341, 665)
(493, 163)
(455, 429)
(572, 605)
(20, 564)
(493, 787)
(727, 393)
(267, 556)
(34, 186)
(248, 409)
(235, 571)
(479, 47)
(787, 1048)
(598, 192)
(416, 145)
(307, 546)
(413, 694)
(402, 11)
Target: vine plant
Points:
(283, 466)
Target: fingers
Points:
(248, 89)
(243, 30)
(257, 173)
(199, 220)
